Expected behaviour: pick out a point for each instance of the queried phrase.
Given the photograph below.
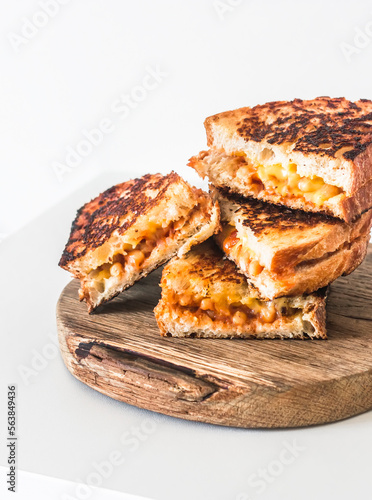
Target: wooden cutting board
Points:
(245, 383)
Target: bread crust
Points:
(328, 127)
(203, 273)
(283, 238)
(126, 215)
(116, 211)
(350, 208)
(310, 278)
(297, 252)
(324, 137)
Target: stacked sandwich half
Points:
(293, 181)
(289, 211)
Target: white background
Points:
(68, 76)
(216, 56)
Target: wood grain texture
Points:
(245, 383)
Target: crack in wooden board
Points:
(246, 383)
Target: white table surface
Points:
(39, 487)
(67, 430)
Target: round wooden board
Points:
(245, 383)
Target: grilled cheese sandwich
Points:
(311, 155)
(288, 252)
(205, 295)
(133, 228)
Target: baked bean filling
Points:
(133, 258)
(274, 179)
(230, 240)
(235, 313)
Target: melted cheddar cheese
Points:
(285, 181)
(275, 179)
(133, 257)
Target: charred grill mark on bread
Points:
(98, 219)
(217, 269)
(313, 155)
(262, 217)
(133, 228)
(323, 126)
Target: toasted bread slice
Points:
(312, 155)
(204, 295)
(288, 252)
(131, 229)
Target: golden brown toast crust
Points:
(297, 252)
(324, 126)
(309, 278)
(284, 237)
(116, 209)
